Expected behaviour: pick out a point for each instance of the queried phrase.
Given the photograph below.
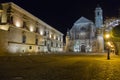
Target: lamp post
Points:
(107, 36)
(108, 53)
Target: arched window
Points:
(98, 13)
(83, 29)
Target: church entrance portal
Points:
(83, 48)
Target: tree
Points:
(116, 31)
(115, 35)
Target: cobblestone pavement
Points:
(60, 67)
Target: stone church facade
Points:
(21, 32)
(86, 36)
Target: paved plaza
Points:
(60, 67)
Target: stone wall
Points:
(25, 33)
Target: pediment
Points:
(82, 20)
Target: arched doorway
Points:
(83, 48)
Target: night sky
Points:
(61, 14)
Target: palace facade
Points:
(22, 32)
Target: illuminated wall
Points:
(81, 36)
(85, 36)
(21, 32)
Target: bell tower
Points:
(67, 41)
(99, 28)
(98, 17)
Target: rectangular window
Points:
(56, 44)
(24, 24)
(30, 47)
(24, 39)
(45, 33)
(38, 47)
(36, 41)
(37, 30)
(59, 45)
(45, 43)
(51, 44)
(0, 17)
(11, 20)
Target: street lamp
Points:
(107, 36)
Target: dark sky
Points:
(61, 14)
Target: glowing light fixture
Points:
(18, 24)
(41, 32)
(107, 36)
(50, 35)
(58, 38)
(31, 28)
(109, 43)
(1, 11)
(54, 37)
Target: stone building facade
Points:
(21, 32)
(85, 36)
